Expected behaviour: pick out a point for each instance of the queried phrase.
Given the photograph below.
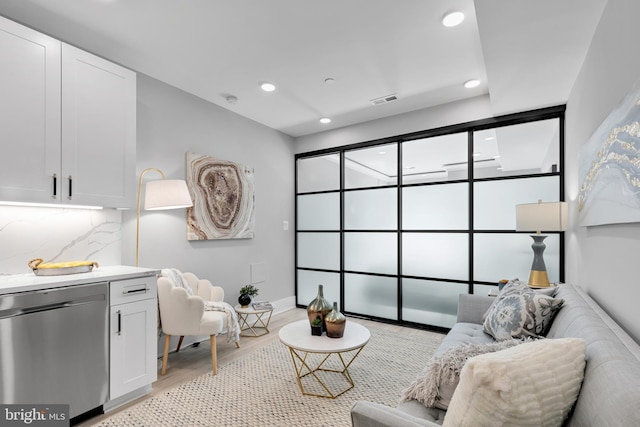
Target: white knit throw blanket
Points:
(233, 328)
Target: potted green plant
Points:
(247, 293)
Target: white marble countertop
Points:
(30, 282)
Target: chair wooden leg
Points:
(165, 356)
(237, 344)
(179, 343)
(214, 357)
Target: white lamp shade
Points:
(167, 194)
(551, 216)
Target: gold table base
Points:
(303, 369)
(258, 327)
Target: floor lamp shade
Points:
(167, 194)
(161, 194)
(540, 217)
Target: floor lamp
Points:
(540, 217)
(159, 195)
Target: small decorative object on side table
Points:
(247, 293)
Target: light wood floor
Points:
(191, 362)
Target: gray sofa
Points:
(610, 393)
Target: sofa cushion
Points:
(521, 312)
(532, 384)
(436, 384)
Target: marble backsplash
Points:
(56, 235)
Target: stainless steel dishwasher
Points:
(54, 347)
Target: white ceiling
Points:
(526, 53)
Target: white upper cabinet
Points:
(67, 124)
(98, 130)
(29, 115)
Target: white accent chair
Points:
(182, 314)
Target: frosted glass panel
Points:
(439, 255)
(371, 252)
(319, 250)
(495, 201)
(371, 209)
(371, 295)
(436, 207)
(318, 173)
(440, 158)
(522, 149)
(371, 167)
(319, 212)
(430, 302)
(308, 282)
(509, 256)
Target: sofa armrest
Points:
(471, 308)
(369, 414)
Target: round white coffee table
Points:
(304, 346)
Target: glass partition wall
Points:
(395, 229)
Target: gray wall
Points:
(172, 122)
(604, 259)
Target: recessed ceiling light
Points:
(496, 157)
(382, 152)
(471, 83)
(452, 19)
(325, 120)
(490, 138)
(267, 87)
(477, 153)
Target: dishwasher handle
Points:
(15, 312)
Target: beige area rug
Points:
(261, 388)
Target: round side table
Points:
(253, 323)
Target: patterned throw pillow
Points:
(518, 285)
(521, 312)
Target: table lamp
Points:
(161, 194)
(539, 217)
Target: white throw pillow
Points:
(532, 384)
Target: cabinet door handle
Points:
(119, 313)
(70, 187)
(55, 186)
(134, 291)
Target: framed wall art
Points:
(609, 169)
(223, 199)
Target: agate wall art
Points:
(610, 167)
(223, 199)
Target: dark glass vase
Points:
(244, 300)
(317, 310)
(335, 322)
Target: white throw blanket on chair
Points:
(233, 328)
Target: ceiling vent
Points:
(384, 99)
